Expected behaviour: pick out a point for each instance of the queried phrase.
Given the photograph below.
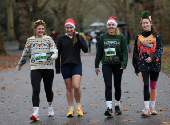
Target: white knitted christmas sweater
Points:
(40, 51)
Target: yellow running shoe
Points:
(70, 113)
(79, 111)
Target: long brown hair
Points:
(153, 29)
(74, 39)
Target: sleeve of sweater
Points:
(158, 49)
(57, 61)
(53, 47)
(99, 53)
(26, 54)
(82, 43)
(135, 56)
(124, 52)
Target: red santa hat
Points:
(112, 19)
(70, 21)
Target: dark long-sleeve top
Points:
(106, 44)
(68, 53)
(146, 45)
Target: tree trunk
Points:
(2, 49)
(128, 20)
(60, 24)
(10, 23)
(37, 14)
(163, 28)
(60, 13)
(137, 17)
(24, 23)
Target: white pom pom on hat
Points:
(70, 21)
(112, 19)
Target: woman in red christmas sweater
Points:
(147, 61)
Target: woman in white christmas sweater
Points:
(42, 51)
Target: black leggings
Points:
(153, 77)
(36, 76)
(108, 70)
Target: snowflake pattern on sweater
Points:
(144, 47)
(40, 51)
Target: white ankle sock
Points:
(117, 103)
(146, 103)
(153, 104)
(109, 104)
(49, 104)
(71, 107)
(36, 109)
(78, 104)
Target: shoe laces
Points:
(50, 109)
(153, 110)
(71, 111)
(35, 114)
(78, 108)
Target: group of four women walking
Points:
(112, 52)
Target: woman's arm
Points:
(26, 54)
(82, 43)
(135, 56)
(99, 53)
(57, 61)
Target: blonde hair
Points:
(117, 31)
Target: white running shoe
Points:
(50, 112)
(34, 116)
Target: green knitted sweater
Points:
(112, 50)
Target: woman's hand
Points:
(76, 32)
(148, 60)
(122, 68)
(18, 68)
(97, 70)
(54, 56)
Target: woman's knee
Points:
(69, 89)
(146, 86)
(108, 86)
(36, 91)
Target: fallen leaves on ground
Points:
(128, 120)
(95, 120)
(166, 61)
(8, 61)
(165, 122)
(4, 89)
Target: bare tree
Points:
(24, 21)
(122, 12)
(2, 49)
(60, 11)
(80, 10)
(10, 21)
(38, 7)
(162, 26)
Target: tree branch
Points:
(43, 5)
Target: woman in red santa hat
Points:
(69, 46)
(112, 52)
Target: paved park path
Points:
(16, 92)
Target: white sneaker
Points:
(34, 116)
(50, 112)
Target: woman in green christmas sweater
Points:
(112, 52)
